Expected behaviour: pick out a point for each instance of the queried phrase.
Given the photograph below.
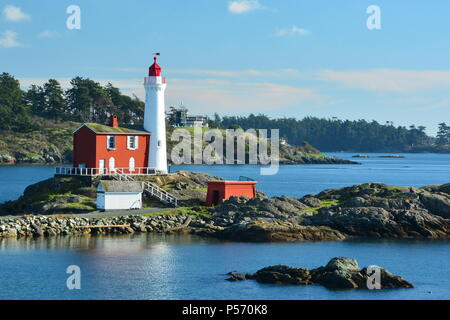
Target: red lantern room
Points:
(155, 69)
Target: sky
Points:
(287, 58)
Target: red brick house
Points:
(110, 148)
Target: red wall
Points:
(229, 189)
(84, 148)
(121, 154)
(89, 148)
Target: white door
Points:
(101, 166)
(101, 201)
(112, 164)
(131, 164)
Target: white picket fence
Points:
(71, 171)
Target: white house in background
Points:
(119, 195)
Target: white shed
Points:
(116, 195)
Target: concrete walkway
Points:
(110, 213)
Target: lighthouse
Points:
(154, 117)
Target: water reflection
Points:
(153, 266)
(107, 243)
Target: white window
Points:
(112, 163)
(111, 142)
(131, 164)
(132, 142)
(101, 166)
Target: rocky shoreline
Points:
(372, 210)
(40, 226)
(338, 273)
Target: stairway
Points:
(152, 189)
(159, 193)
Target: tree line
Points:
(88, 101)
(341, 135)
(85, 101)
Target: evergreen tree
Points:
(35, 100)
(443, 135)
(54, 100)
(14, 114)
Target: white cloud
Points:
(12, 13)
(293, 31)
(238, 73)
(210, 95)
(242, 6)
(47, 34)
(205, 96)
(389, 80)
(221, 73)
(8, 39)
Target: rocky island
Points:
(60, 206)
(338, 273)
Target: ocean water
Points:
(151, 266)
(414, 170)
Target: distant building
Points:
(179, 117)
(197, 121)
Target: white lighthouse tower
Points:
(154, 117)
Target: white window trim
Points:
(132, 169)
(107, 142)
(113, 161)
(136, 142)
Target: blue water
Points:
(185, 267)
(415, 170)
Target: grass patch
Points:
(80, 206)
(186, 211)
(397, 188)
(323, 204)
(316, 155)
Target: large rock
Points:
(438, 204)
(279, 231)
(338, 273)
(283, 275)
(342, 263)
(6, 158)
(373, 222)
(237, 210)
(376, 210)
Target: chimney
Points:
(114, 121)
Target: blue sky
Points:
(282, 58)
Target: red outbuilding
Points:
(104, 149)
(222, 190)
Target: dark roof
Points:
(102, 129)
(121, 186)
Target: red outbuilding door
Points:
(216, 197)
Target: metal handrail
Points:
(150, 187)
(161, 194)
